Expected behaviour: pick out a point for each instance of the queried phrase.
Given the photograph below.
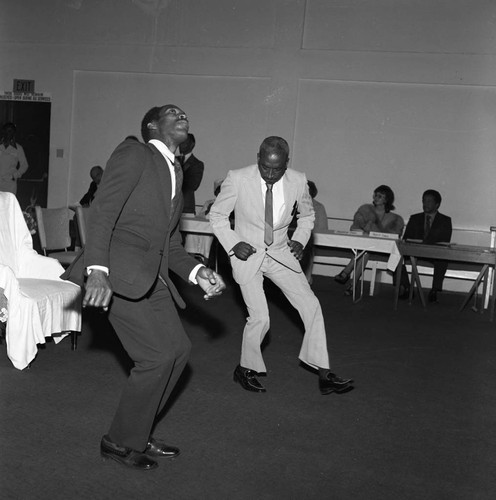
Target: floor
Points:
(420, 423)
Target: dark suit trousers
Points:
(152, 334)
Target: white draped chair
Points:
(54, 233)
(40, 304)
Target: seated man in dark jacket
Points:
(429, 226)
(96, 176)
(192, 171)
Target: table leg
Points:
(482, 274)
(416, 280)
(397, 284)
(359, 257)
(484, 289)
(492, 301)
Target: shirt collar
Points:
(163, 149)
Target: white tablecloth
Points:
(342, 239)
(198, 225)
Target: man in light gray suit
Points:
(264, 198)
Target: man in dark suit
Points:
(96, 174)
(430, 227)
(133, 241)
(192, 171)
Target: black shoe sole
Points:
(337, 390)
(110, 456)
(151, 455)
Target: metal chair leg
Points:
(74, 340)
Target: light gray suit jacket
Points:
(241, 192)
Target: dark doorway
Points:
(32, 120)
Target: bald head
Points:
(273, 157)
(274, 145)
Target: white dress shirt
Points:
(278, 204)
(169, 158)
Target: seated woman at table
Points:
(378, 217)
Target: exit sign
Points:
(24, 86)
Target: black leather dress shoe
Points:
(126, 456)
(159, 449)
(246, 378)
(333, 383)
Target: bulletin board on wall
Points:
(354, 136)
(227, 116)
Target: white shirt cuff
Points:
(100, 268)
(192, 274)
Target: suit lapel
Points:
(254, 188)
(163, 173)
(289, 189)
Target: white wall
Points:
(111, 99)
(409, 136)
(366, 91)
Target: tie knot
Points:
(269, 186)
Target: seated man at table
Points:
(430, 227)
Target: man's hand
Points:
(243, 250)
(211, 282)
(296, 248)
(98, 290)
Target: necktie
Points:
(427, 225)
(179, 177)
(178, 171)
(269, 237)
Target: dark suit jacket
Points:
(90, 195)
(130, 228)
(440, 230)
(193, 174)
